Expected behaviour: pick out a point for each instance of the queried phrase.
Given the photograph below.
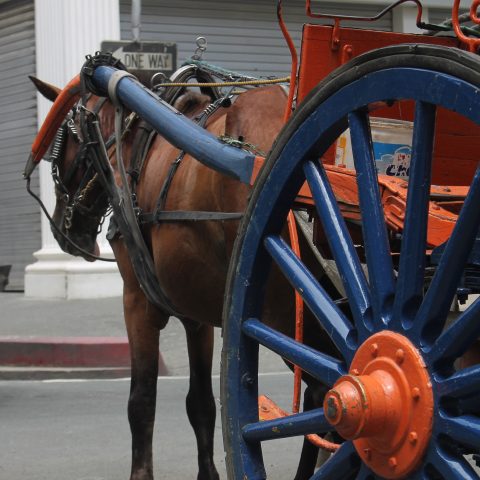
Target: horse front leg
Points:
(200, 402)
(143, 334)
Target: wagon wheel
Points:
(398, 418)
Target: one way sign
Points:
(144, 59)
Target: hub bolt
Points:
(392, 462)
(412, 437)
(400, 356)
(415, 393)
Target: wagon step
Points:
(269, 410)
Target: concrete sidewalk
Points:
(45, 338)
(57, 338)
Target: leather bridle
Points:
(75, 203)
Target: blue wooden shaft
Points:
(176, 128)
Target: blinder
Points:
(82, 161)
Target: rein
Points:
(59, 231)
(76, 202)
(124, 213)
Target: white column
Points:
(66, 31)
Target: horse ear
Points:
(50, 92)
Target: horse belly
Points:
(191, 266)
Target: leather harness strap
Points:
(187, 215)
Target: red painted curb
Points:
(71, 352)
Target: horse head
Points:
(81, 201)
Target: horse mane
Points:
(190, 101)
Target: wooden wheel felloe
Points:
(398, 396)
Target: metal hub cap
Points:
(385, 405)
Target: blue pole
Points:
(176, 128)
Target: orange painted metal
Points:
(60, 108)
(257, 166)
(269, 410)
(318, 59)
(337, 18)
(385, 405)
(472, 43)
(294, 67)
(297, 371)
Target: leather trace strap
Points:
(125, 218)
(187, 215)
(160, 215)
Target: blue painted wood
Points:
(341, 245)
(365, 474)
(433, 311)
(300, 424)
(464, 429)
(377, 248)
(451, 467)
(320, 366)
(322, 306)
(460, 384)
(410, 284)
(457, 338)
(176, 128)
(297, 162)
(344, 462)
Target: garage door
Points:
(242, 36)
(19, 216)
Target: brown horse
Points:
(191, 260)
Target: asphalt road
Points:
(78, 430)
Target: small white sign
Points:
(145, 57)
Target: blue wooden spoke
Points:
(320, 366)
(341, 245)
(330, 317)
(450, 467)
(300, 424)
(419, 475)
(410, 282)
(377, 248)
(365, 473)
(461, 384)
(341, 464)
(434, 309)
(455, 340)
(464, 429)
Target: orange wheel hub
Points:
(385, 405)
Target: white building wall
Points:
(66, 31)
